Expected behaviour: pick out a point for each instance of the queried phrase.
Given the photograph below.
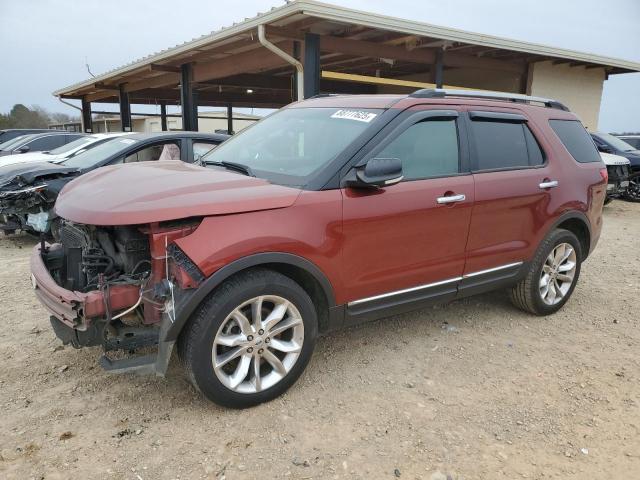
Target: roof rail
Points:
(509, 97)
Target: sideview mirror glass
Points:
(376, 173)
(24, 149)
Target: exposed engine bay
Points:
(92, 257)
(105, 259)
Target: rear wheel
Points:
(552, 275)
(251, 340)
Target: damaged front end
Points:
(27, 200)
(113, 286)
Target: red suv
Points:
(329, 212)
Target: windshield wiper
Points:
(238, 167)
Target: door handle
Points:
(451, 199)
(548, 184)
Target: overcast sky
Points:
(45, 44)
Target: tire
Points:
(528, 294)
(214, 334)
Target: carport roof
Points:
(350, 39)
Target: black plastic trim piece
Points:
(497, 116)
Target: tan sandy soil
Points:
(472, 390)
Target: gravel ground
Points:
(472, 390)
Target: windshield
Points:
(615, 142)
(10, 144)
(71, 146)
(99, 154)
(292, 144)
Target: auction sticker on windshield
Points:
(358, 115)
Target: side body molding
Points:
(190, 300)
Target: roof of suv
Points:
(451, 97)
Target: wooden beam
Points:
(102, 85)
(244, 99)
(362, 48)
(164, 80)
(248, 62)
(156, 67)
(100, 95)
(284, 32)
(348, 77)
(252, 80)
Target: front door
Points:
(405, 244)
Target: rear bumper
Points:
(76, 309)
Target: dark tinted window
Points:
(426, 149)
(46, 143)
(504, 145)
(576, 139)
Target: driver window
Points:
(158, 151)
(426, 149)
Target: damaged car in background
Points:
(29, 191)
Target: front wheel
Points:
(633, 191)
(552, 275)
(250, 340)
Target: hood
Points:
(610, 159)
(27, 158)
(147, 192)
(27, 173)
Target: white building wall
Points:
(578, 88)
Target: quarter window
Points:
(576, 140)
(426, 149)
(502, 145)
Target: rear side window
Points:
(426, 149)
(576, 140)
(504, 145)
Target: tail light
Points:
(604, 174)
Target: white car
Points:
(618, 170)
(62, 153)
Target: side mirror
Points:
(376, 173)
(24, 149)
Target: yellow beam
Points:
(350, 77)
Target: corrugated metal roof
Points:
(340, 14)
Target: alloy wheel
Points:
(258, 344)
(558, 273)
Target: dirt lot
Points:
(472, 390)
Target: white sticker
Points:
(127, 141)
(358, 115)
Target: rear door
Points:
(513, 187)
(404, 245)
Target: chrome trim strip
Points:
(435, 284)
(406, 290)
(494, 269)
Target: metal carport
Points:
(330, 49)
